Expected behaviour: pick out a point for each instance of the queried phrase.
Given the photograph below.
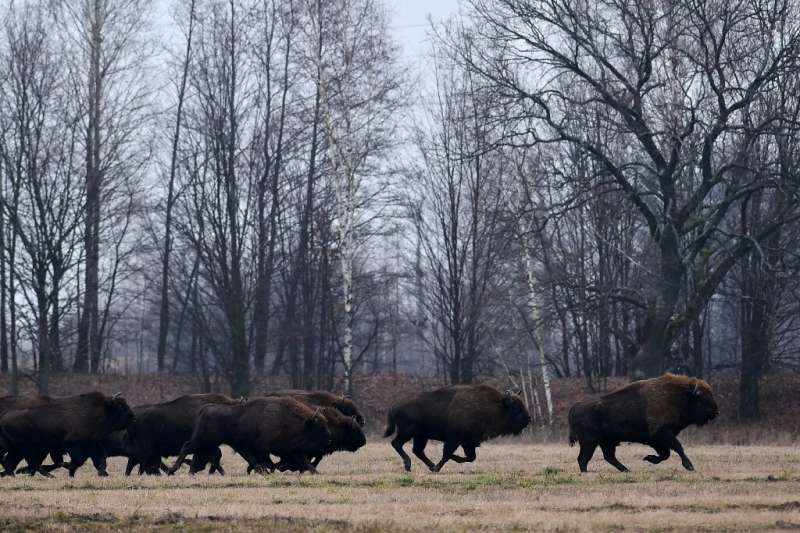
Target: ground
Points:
(512, 486)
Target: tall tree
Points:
(107, 44)
(674, 80)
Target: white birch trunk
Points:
(536, 331)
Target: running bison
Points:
(60, 425)
(343, 404)
(346, 436)
(651, 412)
(279, 426)
(161, 429)
(460, 415)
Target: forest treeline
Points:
(231, 188)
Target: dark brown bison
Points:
(461, 415)
(346, 436)
(62, 425)
(161, 429)
(276, 425)
(651, 412)
(343, 404)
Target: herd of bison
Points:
(299, 428)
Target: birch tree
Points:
(359, 83)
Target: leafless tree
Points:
(675, 81)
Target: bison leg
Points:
(397, 444)
(419, 451)
(585, 455)
(10, 463)
(447, 453)
(469, 451)
(216, 462)
(186, 449)
(677, 448)
(100, 464)
(35, 460)
(663, 455)
(610, 455)
(130, 466)
(75, 463)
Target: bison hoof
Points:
(687, 464)
(102, 473)
(652, 459)
(407, 466)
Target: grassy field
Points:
(512, 486)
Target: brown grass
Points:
(511, 486)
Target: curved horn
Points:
(117, 395)
(696, 389)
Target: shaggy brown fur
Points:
(34, 430)
(161, 429)
(651, 411)
(343, 404)
(280, 426)
(461, 415)
(346, 436)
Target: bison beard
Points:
(461, 415)
(651, 412)
(258, 428)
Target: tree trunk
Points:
(43, 338)
(164, 317)
(653, 353)
(88, 346)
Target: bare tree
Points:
(359, 84)
(674, 80)
(106, 43)
(458, 211)
(164, 312)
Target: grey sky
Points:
(409, 22)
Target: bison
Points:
(276, 425)
(346, 436)
(460, 415)
(343, 404)
(161, 429)
(60, 424)
(651, 412)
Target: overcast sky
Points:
(410, 21)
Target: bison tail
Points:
(390, 425)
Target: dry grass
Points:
(511, 486)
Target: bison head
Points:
(317, 435)
(517, 416)
(118, 413)
(348, 407)
(350, 435)
(702, 407)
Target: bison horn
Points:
(117, 395)
(696, 389)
